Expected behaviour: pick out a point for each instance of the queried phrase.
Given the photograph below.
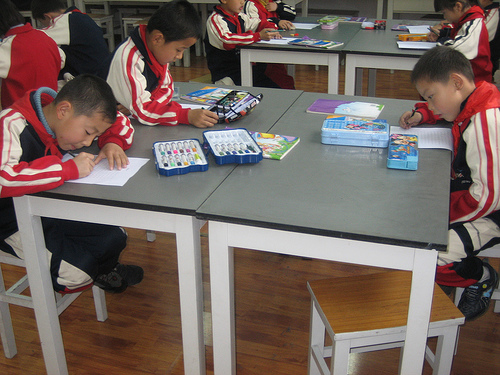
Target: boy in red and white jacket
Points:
(275, 11)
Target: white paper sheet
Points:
(416, 45)
(305, 26)
(428, 137)
(102, 175)
(276, 41)
(418, 29)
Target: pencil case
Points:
(235, 105)
(350, 132)
(403, 152)
(232, 146)
(179, 157)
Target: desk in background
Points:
(335, 203)
(147, 201)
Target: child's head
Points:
(443, 76)
(45, 10)
(453, 10)
(173, 28)
(232, 6)
(83, 109)
(9, 16)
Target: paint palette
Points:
(232, 146)
(179, 157)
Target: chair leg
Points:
(100, 303)
(445, 350)
(316, 340)
(6, 330)
(340, 357)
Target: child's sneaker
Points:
(476, 298)
(120, 278)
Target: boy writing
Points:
(227, 29)
(443, 76)
(35, 131)
(75, 32)
(138, 71)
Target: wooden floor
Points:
(142, 334)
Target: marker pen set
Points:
(232, 146)
(179, 157)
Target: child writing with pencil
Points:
(35, 131)
(138, 70)
(444, 78)
(227, 29)
(466, 33)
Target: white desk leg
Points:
(333, 73)
(37, 268)
(222, 299)
(246, 68)
(422, 287)
(350, 74)
(191, 293)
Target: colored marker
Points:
(191, 143)
(168, 148)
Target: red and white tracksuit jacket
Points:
(257, 9)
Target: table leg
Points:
(246, 68)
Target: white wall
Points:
(365, 8)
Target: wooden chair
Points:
(13, 296)
(368, 313)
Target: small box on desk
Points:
(232, 146)
(403, 152)
(351, 132)
(179, 157)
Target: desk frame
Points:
(223, 237)
(29, 209)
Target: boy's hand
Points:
(409, 119)
(268, 34)
(271, 7)
(114, 154)
(85, 163)
(202, 118)
(286, 25)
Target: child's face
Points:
(168, 52)
(444, 99)
(453, 15)
(233, 6)
(74, 132)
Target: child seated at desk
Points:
(227, 29)
(492, 21)
(29, 59)
(76, 33)
(138, 71)
(467, 33)
(273, 11)
(443, 76)
(35, 131)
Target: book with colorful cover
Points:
(207, 95)
(315, 43)
(346, 108)
(275, 146)
(332, 19)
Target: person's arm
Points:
(222, 38)
(467, 39)
(285, 11)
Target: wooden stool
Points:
(105, 21)
(369, 312)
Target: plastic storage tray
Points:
(179, 157)
(232, 146)
(350, 132)
(403, 152)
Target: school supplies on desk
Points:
(179, 157)
(232, 146)
(416, 45)
(413, 37)
(329, 19)
(207, 95)
(347, 108)
(351, 132)
(275, 146)
(315, 43)
(403, 152)
(234, 105)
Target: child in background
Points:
(444, 77)
(34, 132)
(273, 11)
(491, 19)
(29, 59)
(467, 34)
(227, 29)
(75, 33)
(138, 71)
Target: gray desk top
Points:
(181, 193)
(382, 42)
(339, 191)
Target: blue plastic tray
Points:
(179, 157)
(232, 146)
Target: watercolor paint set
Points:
(232, 146)
(179, 157)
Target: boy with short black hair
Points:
(75, 32)
(35, 131)
(443, 76)
(138, 71)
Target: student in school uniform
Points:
(75, 33)
(444, 78)
(228, 28)
(138, 69)
(28, 58)
(492, 21)
(275, 11)
(35, 131)
(466, 33)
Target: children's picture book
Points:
(275, 146)
(332, 19)
(315, 43)
(346, 108)
(207, 95)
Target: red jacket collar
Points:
(158, 69)
(19, 29)
(485, 96)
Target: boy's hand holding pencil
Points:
(268, 34)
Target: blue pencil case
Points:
(351, 132)
(179, 157)
(403, 152)
(232, 146)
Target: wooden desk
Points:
(335, 203)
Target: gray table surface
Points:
(180, 193)
(339, 191)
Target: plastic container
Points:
(232, 146)
(351, 132)
(403, 152)
(179, 157)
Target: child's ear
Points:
(457, 81)
(459, 7)
(64, 109)
(157, 37)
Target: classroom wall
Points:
(366, 8)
